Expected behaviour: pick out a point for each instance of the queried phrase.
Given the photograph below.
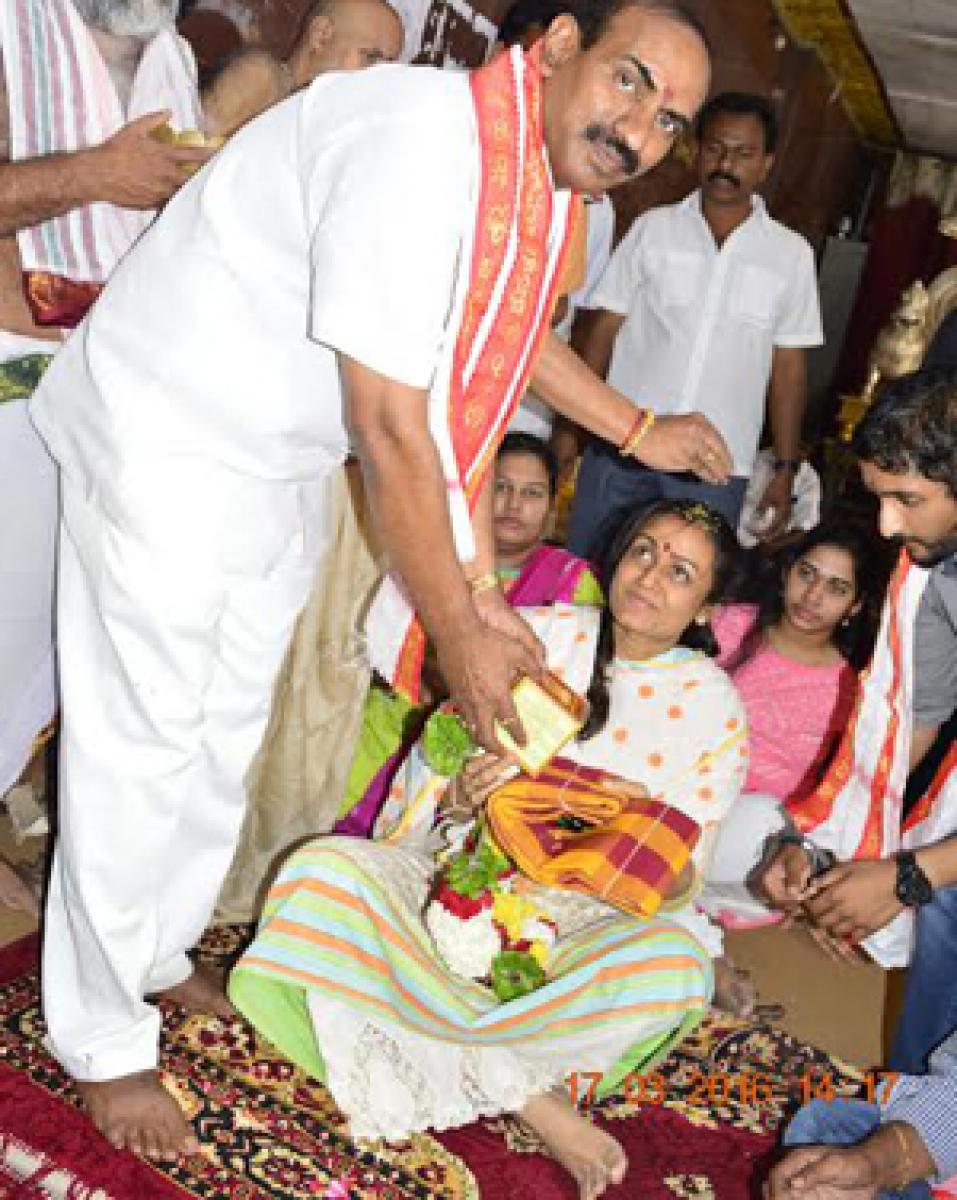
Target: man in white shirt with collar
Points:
(708, 305)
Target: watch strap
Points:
(912, 887)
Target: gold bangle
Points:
(483, 583)
(908, 1168)
(643, 423)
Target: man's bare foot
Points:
(137, 1113)
(203, 992)
(733, 990)
(592, 1157)
(19, 889)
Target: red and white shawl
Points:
(856, 810)
(522, 233)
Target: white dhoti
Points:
(173, 620)
(27, 541)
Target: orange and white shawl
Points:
(519, 242)
(856, 810)
(61, 99)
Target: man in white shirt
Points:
(708, 305)
(316, 283)
(63, 170)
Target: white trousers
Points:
(28, 521)
(179, 586)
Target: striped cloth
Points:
(402, 1042)
(570, 827)
(61, 99)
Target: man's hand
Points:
(777, 502)
(481, 666)
(783, 882)
(854, 899)
(135, 170)
(675, 443)
(498, 614)
(686, 443)
(824, 1173)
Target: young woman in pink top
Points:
(794, 658)
(794, 655)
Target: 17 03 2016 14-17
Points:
(716, 1087)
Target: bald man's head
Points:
(346, 35)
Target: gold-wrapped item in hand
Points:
(551, 714)
(188, 139)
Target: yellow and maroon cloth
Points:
(578, 828)
(519, 250)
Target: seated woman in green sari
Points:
(344, 977)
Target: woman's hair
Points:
(855, 637)
(696, 636)
(527, 443)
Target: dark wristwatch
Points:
(913, 889)
(786, 464)
(819, 859)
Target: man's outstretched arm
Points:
(131, 169)
(676, 443)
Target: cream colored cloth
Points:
(299, 775)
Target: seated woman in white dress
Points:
(343, 975)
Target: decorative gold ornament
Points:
(826, 27)
(903, 342)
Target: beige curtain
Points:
(298, 778)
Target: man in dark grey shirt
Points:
(907, 447)
(936, 648)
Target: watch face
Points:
(913, 887)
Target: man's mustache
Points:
(630, 162)
(726, 176)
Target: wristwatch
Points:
(912, 888)
(819, 859)
(786, 464)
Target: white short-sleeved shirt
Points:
(333, 224)
(701, 322)
(534, 415)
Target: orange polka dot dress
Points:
(675, 722)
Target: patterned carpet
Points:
(704, 1127)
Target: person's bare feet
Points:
(135, 1112)
(592, 1157)
(733, 990)
(202, 992)
(19, 889)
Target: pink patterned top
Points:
(795, 712)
